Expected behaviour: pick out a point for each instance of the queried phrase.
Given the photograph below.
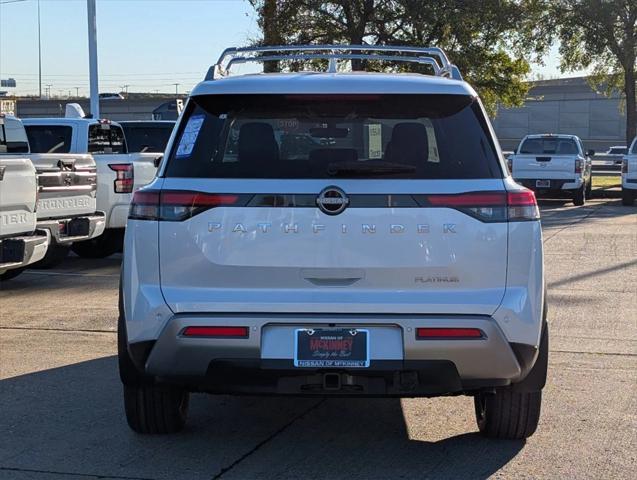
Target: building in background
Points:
(566, 105)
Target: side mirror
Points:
(590, 153)
(157, 161)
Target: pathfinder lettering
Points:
(317, 228)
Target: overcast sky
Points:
(146, 44)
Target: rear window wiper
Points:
(338, 169)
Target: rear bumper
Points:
(35, 247)
(400, 365)
(96, 225)
(556, 185)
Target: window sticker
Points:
(189, 136)
(375, 144)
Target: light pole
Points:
(176, 87)
(39, 53)
(92, 58)
(48, 91)
(77, 92)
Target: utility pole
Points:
(77, 92)
(39, 53)
(48, 91)
(176, 87)
(92, 58)
(124, 88)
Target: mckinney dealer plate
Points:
(331, 348)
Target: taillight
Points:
(489, 206)
(145, 205)
(216, 332)
(124, 177)
(175, 205)
(624, 166)
(578, 166)
(522, 206)
(435, 333)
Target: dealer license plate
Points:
(331, 348)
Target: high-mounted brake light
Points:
(175, 205)
(216, 332)
(125, 177)
(436, 333)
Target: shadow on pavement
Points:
(71, 420)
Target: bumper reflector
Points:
(445, 333)
(216, 332)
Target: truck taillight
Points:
(177, 205)
(578, 166)
(124, 177)
(624, 166)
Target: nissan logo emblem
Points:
(332, 200)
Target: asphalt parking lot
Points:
(61, 412)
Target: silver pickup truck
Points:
(67, 187)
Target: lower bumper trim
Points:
(384, 378)
(96, 224)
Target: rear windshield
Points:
(618, 151)
(555, 146)
(320, 136)
(147, 138)
(106, 138)
(49, 138)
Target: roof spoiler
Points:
(433, 56)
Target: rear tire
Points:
(55, 255)
(579, 198)
(628, 197)
(507, 414)
(155, 408)
(149, 408)
(105, 245)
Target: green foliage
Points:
(601, 34)
(492, 41)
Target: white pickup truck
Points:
(553, 165)
(66, 192)
(119, 173)
(629, 175)
(21, 243)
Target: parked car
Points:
(399, 258)
(111, 96)
(554, 166)
(67, 185)
(119, 173)
(21, 243)
(629, 175)
(611, 159)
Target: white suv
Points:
(323, 233)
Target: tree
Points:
(601, 34)
(491, 43)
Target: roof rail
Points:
(433, 56)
